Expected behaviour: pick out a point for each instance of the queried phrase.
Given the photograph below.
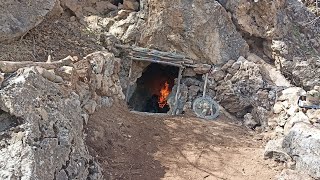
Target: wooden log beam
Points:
(160, 54)
(155, 61)
(10, 67)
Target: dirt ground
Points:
(138, 146)
(57, 37)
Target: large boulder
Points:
(201, 29)
(274, 150)
(303, 144)
(18, 17)
(41, 134)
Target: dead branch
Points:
(10, 67)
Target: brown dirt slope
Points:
(139, 146)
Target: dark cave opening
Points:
(116, 2)
(153, 88)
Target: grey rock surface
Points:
(44, 138)
(303, 144)
(288, 174)
(202, 30)
(274, 150)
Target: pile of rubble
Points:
(52, 118)
(296, 134)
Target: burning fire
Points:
(164, 93)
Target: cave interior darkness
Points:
(146, 93)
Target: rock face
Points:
(246, 89)
(42, 136)
(303, 144)
(200, 29)
(290, 35)
(258, 18)
(16, 19)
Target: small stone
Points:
(241, 59)
(218, 74)
(314, 115)
(282, 119)
(106, 101)
(90, 106)
(122, 14)
(131, 5)
(272, 122)
(120, 6)
(189, 72)
(249, 122)
(236, 65)
(85, 117)
(202, 68)
(227, 65)
(190, 81)
(254, 58)
(227, 77)
(194, 88)
(72, 18)
(279, 130)
(232, 71)
(313, 97)
(274, 150)
(61, 175)
(291, 94)
(298, 117)
(292, 110)
(277, 108)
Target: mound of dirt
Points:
(132, 145)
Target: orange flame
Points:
(164, 93)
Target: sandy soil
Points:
(138, 146)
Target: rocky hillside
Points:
(61, 60)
